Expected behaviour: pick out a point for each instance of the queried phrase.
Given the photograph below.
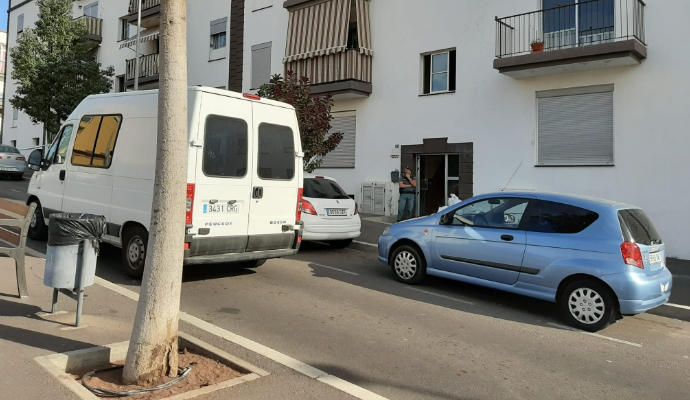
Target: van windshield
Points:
(321, 188)
(637, 227)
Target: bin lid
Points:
(67, 229)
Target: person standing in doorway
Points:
(408, 189)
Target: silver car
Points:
(12, 162)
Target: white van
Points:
(244, 175)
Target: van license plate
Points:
(221, 208)
(655, 258)
(336, 212)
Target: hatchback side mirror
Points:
(35, 160)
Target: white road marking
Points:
(596, 335)
(292, 363)
(365, 243)
(678, 306)
(443, 296)
(335, 269)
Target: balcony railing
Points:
(584, 23)
(94, 27)
(148, 67)
(145, 5)
(349, 65)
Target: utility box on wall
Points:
(379, 198)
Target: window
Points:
(58, 151)
(91, 10)
(261, 64)
(342, 156)
(20, 23)
(218, 39)
(15, 117)
(124, 29)
(551, 217)
(505, 213)
(570, 22)
(575, 126)
(225, 147)
(95, 141)
(36, 141)
(321, 188)
(276, 152)
(13, 143)
(637, 227)
(439, 72)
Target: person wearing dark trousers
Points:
(408, 188)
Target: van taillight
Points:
(298, 217)
(251, 96)
(632, 254)
(190, 204)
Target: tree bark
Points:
(152, 352)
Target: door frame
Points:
(446, 178)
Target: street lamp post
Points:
(136, 57)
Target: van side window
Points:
(225, 147)
(95, 141)
(276, 152)
(63, 145)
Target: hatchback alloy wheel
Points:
(586, 305)
(405, 265)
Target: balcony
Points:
(584, 35)
(148, 69)
(150, 12)
(94, 28)
(329, 42)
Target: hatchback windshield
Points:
(8, 149)
(320, 188)
(637, 227)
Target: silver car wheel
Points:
(34, 221)
(586, 305)
(405, 265)
(136, 251)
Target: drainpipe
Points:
(136, 58)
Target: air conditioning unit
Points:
(379, 198)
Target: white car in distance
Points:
(328, 213)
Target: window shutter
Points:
(342, 156)
(427, 74)
(451, 72)
(575, 129)
(219, 26)
(261, 64)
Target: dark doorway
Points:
(431, 181)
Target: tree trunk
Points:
(153, 349)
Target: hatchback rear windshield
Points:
(637, 227)
(318, 188)
(8, 149)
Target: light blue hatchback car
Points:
(596, 259)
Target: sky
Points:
(3, 14)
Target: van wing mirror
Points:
(35, 160)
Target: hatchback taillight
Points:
(632, 254)
(190, 204)
(308, 208)
(298, 216)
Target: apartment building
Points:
(112, 28)
(579, 96)
(3, 57)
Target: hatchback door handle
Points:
(62, 175)
(507, 238)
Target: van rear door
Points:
(223, 180)
(276, 178)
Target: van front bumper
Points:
(238, 257)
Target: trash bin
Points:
(73, 245)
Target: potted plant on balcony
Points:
(537, 45)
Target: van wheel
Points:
(588, 305)
(38, 229)
(408, 265)
(134, 242)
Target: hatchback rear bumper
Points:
(638, 292)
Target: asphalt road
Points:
(340, 311)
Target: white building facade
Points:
(456, 92)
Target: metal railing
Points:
(583, 23)
(94, 26)
(148, 67)
(145, 5)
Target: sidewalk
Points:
(26, 332)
